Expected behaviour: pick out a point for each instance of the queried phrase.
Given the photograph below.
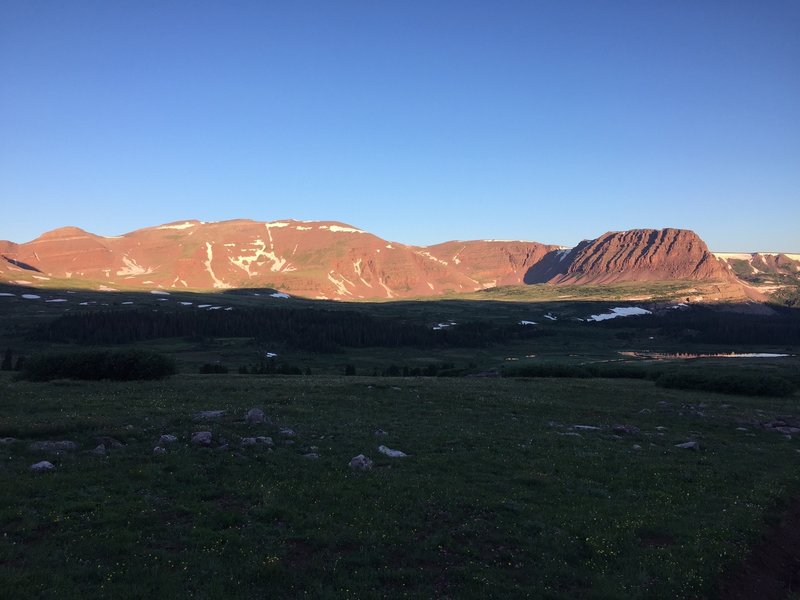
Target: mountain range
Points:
(333, 260)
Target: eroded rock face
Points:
(640, 255)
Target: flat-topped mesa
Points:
(640, 255)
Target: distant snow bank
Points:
(620, 311)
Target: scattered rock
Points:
(167, 439)
(645, 411)
(159, 450)
(311, 455)
(625, 430)
(360, 463)
(689, 445)
(380, 432)
(662, 403)
(661, 428)
(255, 416)
(209, 414)
(248, 441)
(266, 440)
(100, 450)
(788, 430)
(288, 432)
(201, 438)
(53, 446)
(571, 434)
(7, 441)
(109, 442)
(585, 428)
(636, 447)
(391, 453)
(289, 442)
(41, 467)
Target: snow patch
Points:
(277, 225)
(430, 256)
(340, 287)
(159, 292)
(339, 229)
(40, 277)
(186, 303)
(57, 300)
(620, 311)
(30, 296)
(280, 295)
(551, 316)
(7, 294)
(219, 284)
(528, 323)
(126, 302)
(203, 305)
(184, 225)
(133, 268)
(303, 228)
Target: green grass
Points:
(492, 501)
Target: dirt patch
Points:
(772, 568)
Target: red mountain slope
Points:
(327, 259)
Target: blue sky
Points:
(418, 121)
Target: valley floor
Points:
(543, 488)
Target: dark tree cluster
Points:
(714, 326)
(304, 329)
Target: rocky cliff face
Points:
(635, 255)
(327, 259)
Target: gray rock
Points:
(788, 430)
(636, 447)
(7, 441)
(689, 445)
(209, 414)
(167, 439)
(109, 442)
(51, 446)
(311, 455)
(266, 440)
(248, 441)
(159, 450)
(100, 450)
(255, 416)
(586, 427)
(201, 438)
(625, 430)
(287, 431)
(742, 429)
(360, 463)
(380, 432)
(41, 467)
(391, 453)
(645, 411)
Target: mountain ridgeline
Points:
(332, 260)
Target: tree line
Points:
(303, 329)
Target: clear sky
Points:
(420, 121)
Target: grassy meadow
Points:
(500, 496)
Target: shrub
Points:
(121, 365)
(744, 383)
(549, 370)
(215, 368)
